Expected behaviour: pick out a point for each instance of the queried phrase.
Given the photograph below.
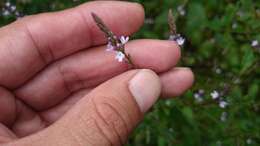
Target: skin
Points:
(52, 64)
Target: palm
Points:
(19, 119)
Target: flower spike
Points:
(174, 36)
(114, 43)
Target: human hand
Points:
(59, 87)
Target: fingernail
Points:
(145, 86)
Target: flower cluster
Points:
(181, 10)
(10, 9)
(177, 38)
(115, 44)
(199, 96)
(120, 55)
(174, 36)
(217, 96)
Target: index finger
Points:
(30, 44)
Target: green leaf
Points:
(254, 90)
(247, 60)
(188, 113)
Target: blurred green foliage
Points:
(219, 34)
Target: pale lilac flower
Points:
(254, 43)
(115, 37)
(110, 47)
(234, 25)
(118, 45)
(223, 104)
(181, 10)
(180, 41)
(120, 56)
(201, 92)
(6, 13)
(198, 97)
(12, 8)
(218, 143)
(218, 71)
(178, 38)
(237, 81)
(214, 95)
(172, 37)
(18, 15)
(124, 39)
(224, 116)
(249, 141)
(7, 4)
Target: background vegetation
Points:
(223, 50)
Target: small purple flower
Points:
(10, 9)
(254, 43)
(214, 95)
(172, 37)
(6, 13)
(218, 143)
(120, 56)
(180, 41)
(118, 45)
(223, 104)
(181, 10)
(110, 47)
(198, 98)
(115, 37)
(249, 141)
(7, 4)
(234, 25)
(201, 92)
(218, 70)
(13, 8)
(224, 116)
(124, 39)
(115, 44)
(178, 38)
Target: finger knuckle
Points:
(112, 117)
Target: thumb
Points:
(107, 115)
